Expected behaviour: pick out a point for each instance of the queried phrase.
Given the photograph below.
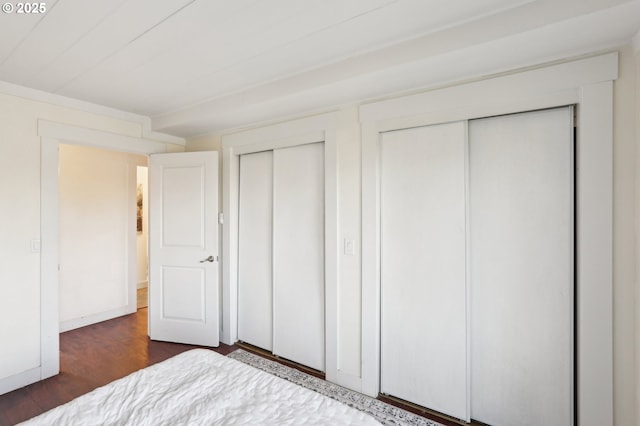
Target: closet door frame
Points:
(320, 128)
(585, 83)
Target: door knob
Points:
(208, 259)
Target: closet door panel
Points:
(298, 260)
(255, 249)
(521, 198)
(423, 267)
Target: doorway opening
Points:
(102, 255)
(142, 237)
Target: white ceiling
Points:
(198, 66)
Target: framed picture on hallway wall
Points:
(139, 203)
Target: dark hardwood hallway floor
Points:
(90, 357)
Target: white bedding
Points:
(202, 387)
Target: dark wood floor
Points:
(91, 357)
(95, 355)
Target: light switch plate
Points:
(349, 247)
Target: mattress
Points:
(202, 387)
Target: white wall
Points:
(142, 252)
(349, 224)
(20, 213)
(96, 187)
(625, 284)
(20, 216)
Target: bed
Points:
(202, 387)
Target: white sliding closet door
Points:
(521, 197)
(255, 242)
(298, 254)
(423, 258)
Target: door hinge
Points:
(221, 218)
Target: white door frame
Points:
(320, 128)
(587, 83)
(51, 136)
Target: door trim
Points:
(320, 128)
(51, 136)
(587, 83)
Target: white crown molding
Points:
(62, 101)
(405, 68)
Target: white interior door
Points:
(298, 254)
(521, 195)
(423, 258)
(255, 241)
(183, 246)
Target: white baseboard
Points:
(93, 319)
(19, 380)
(143, 284)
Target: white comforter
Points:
(202, 387)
